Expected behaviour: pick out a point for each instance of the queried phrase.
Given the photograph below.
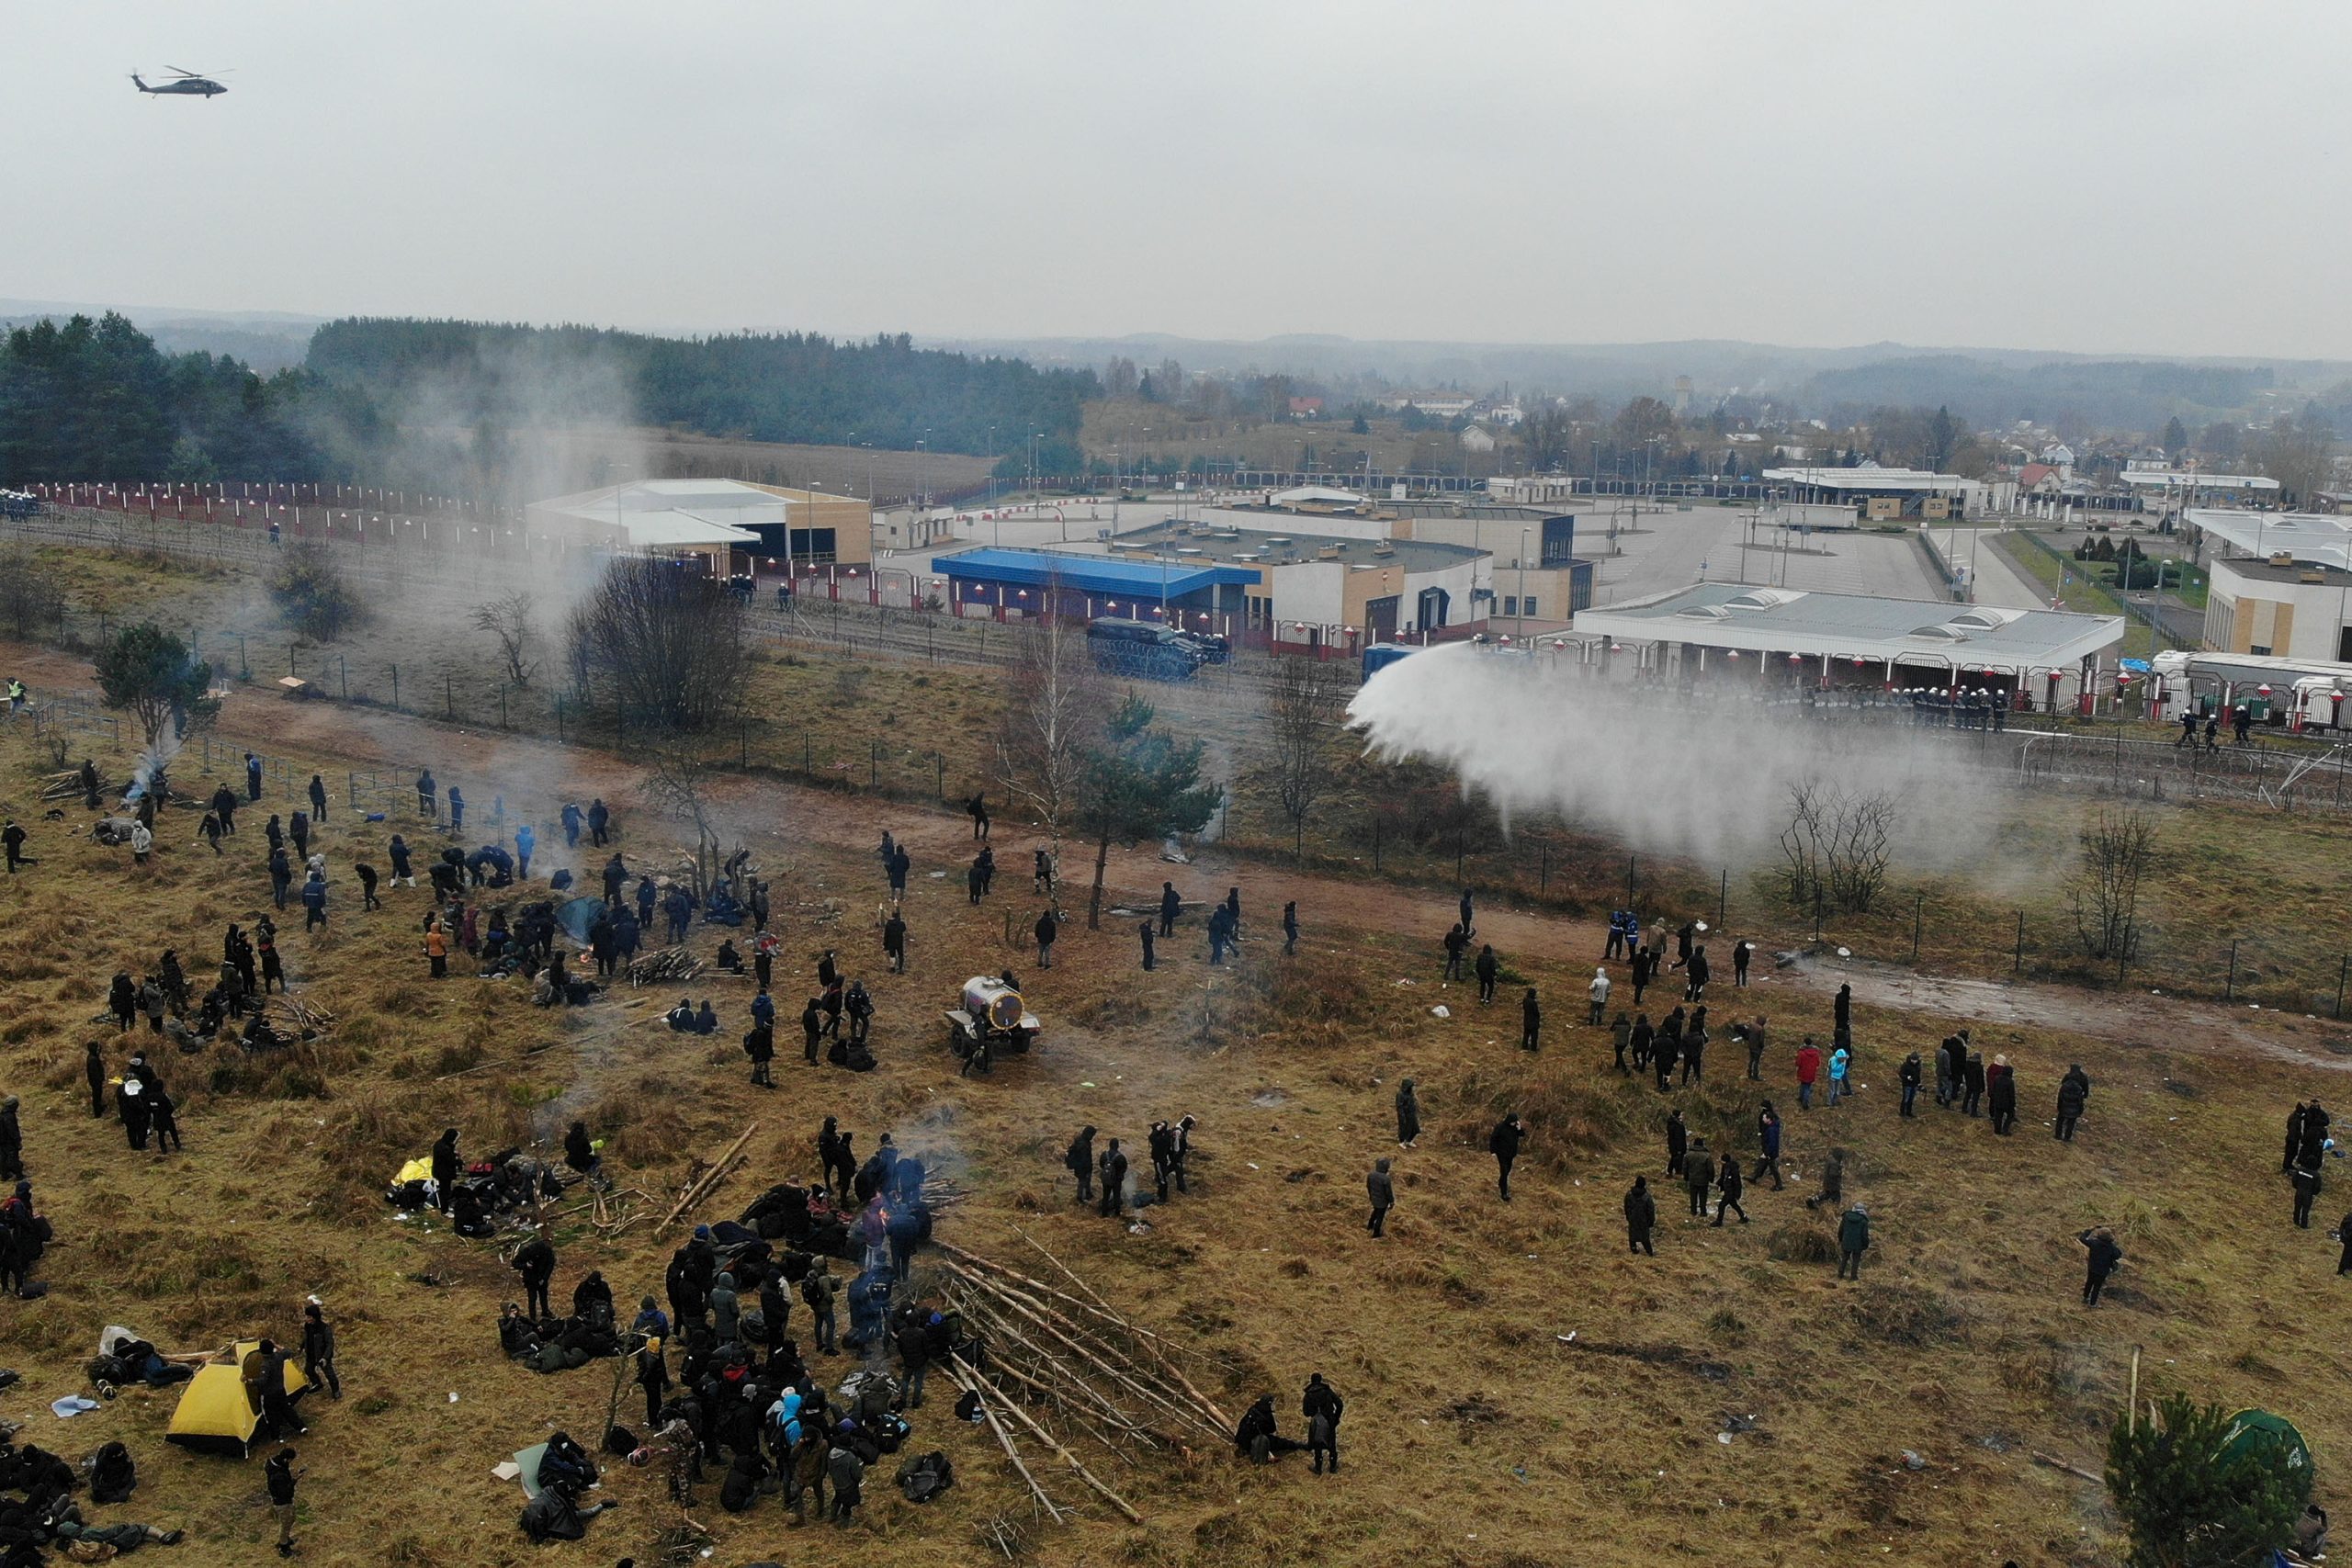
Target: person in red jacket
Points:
(1808, 1069)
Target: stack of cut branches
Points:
(67, 785)
(664, 967)
(299, 1021)
(1068, 1356)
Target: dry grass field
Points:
(1477, 1433)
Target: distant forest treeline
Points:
(792, 387)
(433, 405)
(2119, 394)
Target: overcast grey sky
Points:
(2149, 177)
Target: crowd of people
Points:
(726, 1384)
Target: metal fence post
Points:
(874, 764)
(2018, 967)
(2342, 964)
(1722, 900)
(1918, 914)
(2230, 986)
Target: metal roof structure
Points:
(1090, 574)
(1868, 479)
(2321, 538)
(1284, 546)
(691, 514)
(1314, 495)
(2178, 479)
(1852, 626)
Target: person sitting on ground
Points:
(728, 960)
(1256, 1439)
(706, 1020)
(680, 1018)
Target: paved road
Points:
(1669, 550)
(1997, 581)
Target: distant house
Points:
(1305, 408)
(1474, 438)
(2059, 456)
(2039, 479)
(1444, 407)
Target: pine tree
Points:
(2196, 1492)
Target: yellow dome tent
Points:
(214, 1415)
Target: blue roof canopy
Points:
(1090, 574)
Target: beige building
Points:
(2279, 607)
(730, 524)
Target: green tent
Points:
(2251, 1428)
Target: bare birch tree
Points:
(1306, 711)
(2117, 848)
(1054, 706)
(509, 623)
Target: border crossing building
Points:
(1724, 631)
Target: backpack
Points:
(891, 1431)
(925, 1476)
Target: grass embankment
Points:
(1475, 1433)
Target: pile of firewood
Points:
(298, 1020)
(1067, 1356)
(67, 785)
(666, 966)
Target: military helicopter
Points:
(187, 83)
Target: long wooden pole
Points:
(696, 1191)
(1005, 1442)
(1044, 1437)
(1150, 1341)
(2131, 1419)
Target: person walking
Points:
(2307, 1187)
(1699, 1176)
(1842, 1013)
(1853, 1240)
(2103, 1254)
(253, 777)
(318, 798)
(1596, 997)
(1290, 946)
(1678, 1141)
(1047, 929)
(1768, 1142)
(1621, 1035)
(1729, 1186)
(1839, 1060)
(1755, 1034)
(2001, 1095)
(1408, 1114)
(977, 809)
(1504, 1143)
(1457, 941)
(1972, 1084)
(1909, 1075)
(1170, 906)
(1530, 1021)
(426, 791)
(525, 840)
(894, 942)
(279, 1477)
(12, 839)
(1143, 929)
(1639, 972)
(1740, 953)
(1808, 1070)
(2074, 1093)
(318, 1348)
(1382, 1188)
(1641, 1217)
(1488, 969)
